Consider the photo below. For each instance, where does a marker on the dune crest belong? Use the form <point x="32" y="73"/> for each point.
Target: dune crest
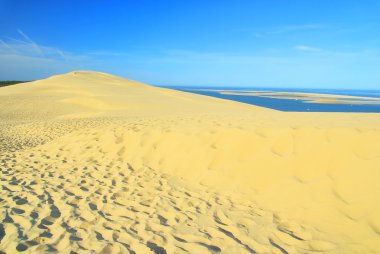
<point x="95" y="162"/>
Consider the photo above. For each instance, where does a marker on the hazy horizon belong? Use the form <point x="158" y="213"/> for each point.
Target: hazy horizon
<point x="302" y="44"/>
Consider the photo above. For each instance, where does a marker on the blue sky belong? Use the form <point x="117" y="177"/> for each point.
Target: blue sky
<point x="271" y="43"/>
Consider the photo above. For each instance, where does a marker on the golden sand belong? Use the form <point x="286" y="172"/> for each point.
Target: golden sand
<point x="94" y="163"/>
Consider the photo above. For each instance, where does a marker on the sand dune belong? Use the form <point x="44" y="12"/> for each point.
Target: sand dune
<point x="93" y="163"/>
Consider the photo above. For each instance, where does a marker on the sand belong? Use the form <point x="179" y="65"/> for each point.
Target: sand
<point x="93" y="163"/>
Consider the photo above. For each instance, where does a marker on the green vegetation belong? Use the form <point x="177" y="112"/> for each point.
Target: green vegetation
<point x="10" y="82"/>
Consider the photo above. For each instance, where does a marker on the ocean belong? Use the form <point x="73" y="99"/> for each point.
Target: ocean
<point x="289" y="104"/>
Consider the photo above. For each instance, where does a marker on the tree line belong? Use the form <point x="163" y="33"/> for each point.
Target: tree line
<point x="10" y="82"/>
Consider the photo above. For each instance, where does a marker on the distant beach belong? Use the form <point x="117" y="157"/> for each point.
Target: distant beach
<point x="282" y="99"/>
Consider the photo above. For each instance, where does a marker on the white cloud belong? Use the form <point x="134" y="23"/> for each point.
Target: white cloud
<point x="307" y="48"/>
<point x="30" y="42"/>
<point x="278" y="30"/>
<point x="219" y="58"/>
<point x="23" y="58"/>
<point x="29" y="48"/>
<point x="295" y="28"/>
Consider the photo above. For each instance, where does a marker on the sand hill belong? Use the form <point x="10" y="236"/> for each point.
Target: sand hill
<point x="93" y="163"/>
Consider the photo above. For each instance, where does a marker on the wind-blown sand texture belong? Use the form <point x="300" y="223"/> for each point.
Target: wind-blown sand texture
<point x="93" y="163"/>
<point x="310" y="97"/>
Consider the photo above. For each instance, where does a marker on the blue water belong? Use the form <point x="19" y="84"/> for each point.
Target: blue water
<point x="290" y="104"/>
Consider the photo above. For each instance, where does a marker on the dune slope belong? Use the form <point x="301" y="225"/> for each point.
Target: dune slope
<point x="93" y="163"/>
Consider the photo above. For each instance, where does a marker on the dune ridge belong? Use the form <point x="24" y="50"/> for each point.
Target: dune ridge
<point x="94" y="163"/>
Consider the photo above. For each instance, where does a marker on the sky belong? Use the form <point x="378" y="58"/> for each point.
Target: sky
<point x="257" y="43"/>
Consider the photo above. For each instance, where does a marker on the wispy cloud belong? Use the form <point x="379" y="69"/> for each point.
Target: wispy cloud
<point x="276" y="30"/>
<point x="296" y="28"/>
<point x="107" y="53"/>
<point x="30" y="42"/>
<point x="24" y="58"/>
<point x="26" y="47"/>
<point x="181" y="56"/>
<point x="307" y="48"/>
<point x="6" y="46"/>
<point x="24" y="55"/>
